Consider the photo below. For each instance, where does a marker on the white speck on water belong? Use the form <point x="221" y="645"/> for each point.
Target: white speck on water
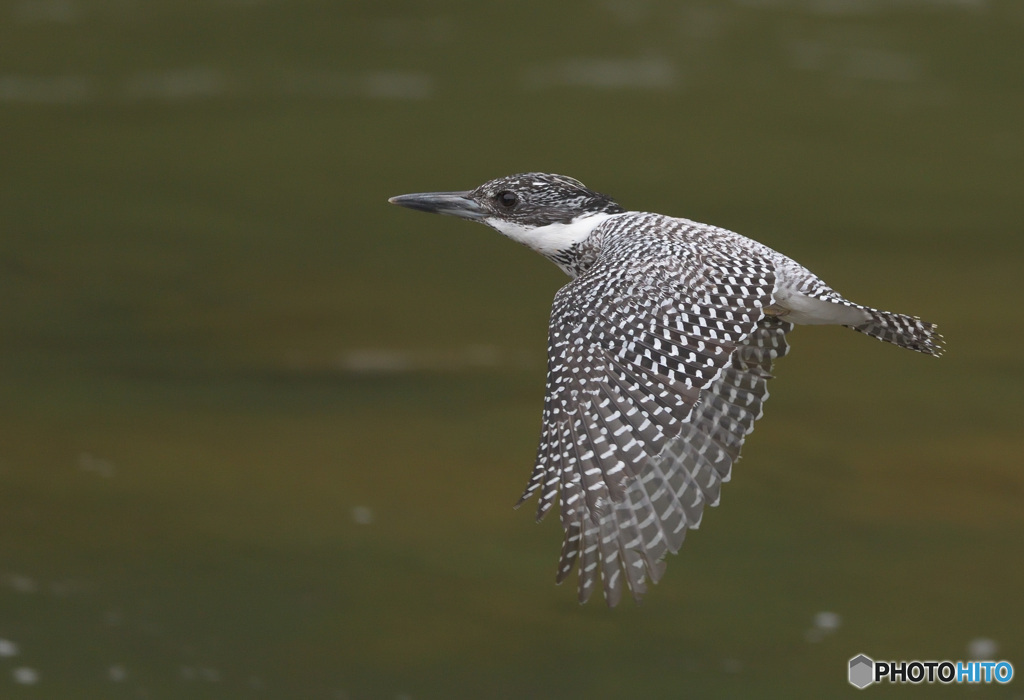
<point x="825" y="623"/>
<point x="362" y="515"/>
<point x="982" y="649"/>
<point x="20" y="583"/>
<point x="24" y="675"/>
<point x="117" y="673"/>
<point x="828" y="621"/>
<point x="8" y="648"/>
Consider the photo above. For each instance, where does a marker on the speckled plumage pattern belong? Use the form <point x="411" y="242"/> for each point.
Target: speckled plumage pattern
<point x="659" y="352"/>
<point x="641" y="336"/>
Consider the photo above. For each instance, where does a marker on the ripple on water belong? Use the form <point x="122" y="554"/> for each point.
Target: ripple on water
<point x="605" y="73"/>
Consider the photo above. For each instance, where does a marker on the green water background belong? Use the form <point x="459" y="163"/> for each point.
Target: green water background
<point x="260" y="433"/>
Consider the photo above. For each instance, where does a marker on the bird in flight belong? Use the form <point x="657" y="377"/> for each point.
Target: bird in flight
<point x="659" y="352"/>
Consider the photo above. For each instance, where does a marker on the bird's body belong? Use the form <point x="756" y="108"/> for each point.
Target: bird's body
<point x="659" y="351"/>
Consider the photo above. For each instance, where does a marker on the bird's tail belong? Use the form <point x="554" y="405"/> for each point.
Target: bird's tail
<point x="906" y="331"/>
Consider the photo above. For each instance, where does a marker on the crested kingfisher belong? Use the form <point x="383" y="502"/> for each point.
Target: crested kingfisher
<point x="659" y="352"/>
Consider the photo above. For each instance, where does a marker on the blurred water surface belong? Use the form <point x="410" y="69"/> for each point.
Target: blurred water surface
<point x="261" y="432"/>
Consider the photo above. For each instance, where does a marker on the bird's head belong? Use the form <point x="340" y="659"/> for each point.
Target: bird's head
<point x="548" y="213"/>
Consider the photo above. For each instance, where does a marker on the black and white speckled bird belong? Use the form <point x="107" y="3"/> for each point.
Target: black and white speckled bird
<point x="659" y="352"/>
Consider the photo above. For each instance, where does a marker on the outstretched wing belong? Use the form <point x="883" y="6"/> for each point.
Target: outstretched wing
<point x="656" y="373"/>
<point x="671" y="490"/>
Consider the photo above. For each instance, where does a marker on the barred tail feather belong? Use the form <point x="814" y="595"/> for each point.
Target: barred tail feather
<point x="906" y="331"/>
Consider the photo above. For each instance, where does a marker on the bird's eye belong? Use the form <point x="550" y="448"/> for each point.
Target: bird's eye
<point x="507" y="199"/>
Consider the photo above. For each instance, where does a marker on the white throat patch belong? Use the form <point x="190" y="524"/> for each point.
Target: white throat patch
<point x="549" y="240"/>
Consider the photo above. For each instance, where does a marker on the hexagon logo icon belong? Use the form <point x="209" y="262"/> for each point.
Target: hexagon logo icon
<point x="862" y="671"/>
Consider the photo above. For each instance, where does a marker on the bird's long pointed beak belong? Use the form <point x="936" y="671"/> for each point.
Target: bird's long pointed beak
<point x="453" y="203"/>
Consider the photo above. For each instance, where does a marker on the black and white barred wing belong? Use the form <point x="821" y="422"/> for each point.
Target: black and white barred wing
<point x="649" y="398"/>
